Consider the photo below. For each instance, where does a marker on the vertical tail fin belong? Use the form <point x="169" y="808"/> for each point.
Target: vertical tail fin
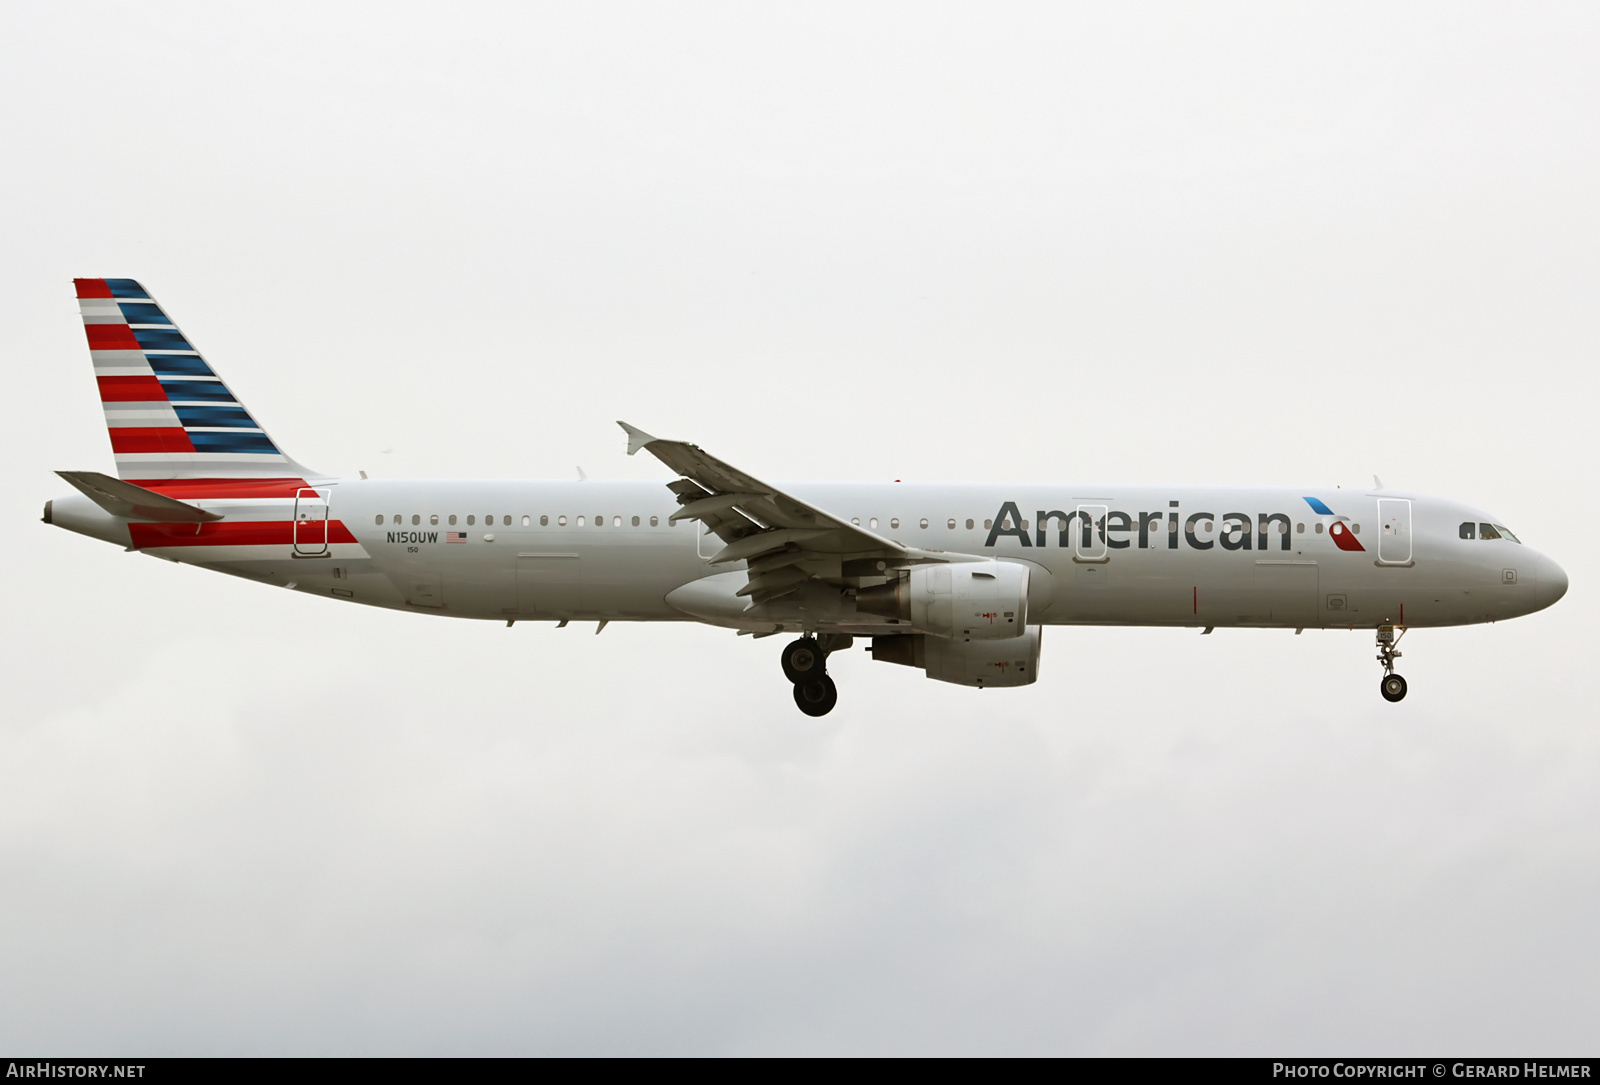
<point x="169" y="414"/>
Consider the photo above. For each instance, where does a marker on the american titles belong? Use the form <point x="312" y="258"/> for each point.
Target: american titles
<point x="1099" y="527"/>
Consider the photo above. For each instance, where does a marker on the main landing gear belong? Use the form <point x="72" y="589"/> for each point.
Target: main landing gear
<point x="805" y="663"/>
<point x="1393" y="687"/>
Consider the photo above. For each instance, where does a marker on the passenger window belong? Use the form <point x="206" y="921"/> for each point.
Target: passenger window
<point x="873" y="522"/>
<point x="655" y="521"/>
<point x="1487" y="531"/>
<point x="1319" y="527"/>
<point x="527" y="521"/>
<point x="471" y="520"/>
<point x="951" y="525"/>
<point x="599" y="521"/>
<point x="1300" y="528"/>
<point x="635" y="521"/>
<point x="544" y="521"/>
<point x="895" y="523"/>
<point x="434" y="520"/>
<point x="856" y="520"/>
<point x="561" y="521"/>
<point x="580" y="521"/>
<point x="1356" y="528"/>
<point x="923" y="523"/>
<point x="379" y="520"/>
<point x="415" y="519"/>
<point x="969" y="525"/>
<point x="616" y="521"/>
<point x="1469" y="530"/>
<point x="397" y="517"/>
<point x="987" y="524"/>
<point x="506" y="520"/>
<point x="452" y="519"/>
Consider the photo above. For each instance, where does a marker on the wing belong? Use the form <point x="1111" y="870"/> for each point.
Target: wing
<point x="785" y="541"/>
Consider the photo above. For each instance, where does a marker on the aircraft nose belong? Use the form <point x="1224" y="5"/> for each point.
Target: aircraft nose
<point x="1552" y="582"/>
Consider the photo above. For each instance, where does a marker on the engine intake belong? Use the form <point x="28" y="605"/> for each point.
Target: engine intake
<point x="969" y="601"/>
<point x="1013" y="662"/>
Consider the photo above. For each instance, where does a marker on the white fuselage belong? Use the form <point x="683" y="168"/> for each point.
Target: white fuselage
<point x="551" y="550"/>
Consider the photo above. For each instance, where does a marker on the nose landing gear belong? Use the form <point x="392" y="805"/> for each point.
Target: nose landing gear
<point x="805" y="663"/>
<point x="1392" y="686"/>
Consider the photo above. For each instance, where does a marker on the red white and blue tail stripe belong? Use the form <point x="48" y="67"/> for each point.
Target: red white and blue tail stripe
<point x="170" y="415"/>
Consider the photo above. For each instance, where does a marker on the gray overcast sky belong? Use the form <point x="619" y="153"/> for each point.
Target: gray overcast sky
<point x="1158" y="243"/>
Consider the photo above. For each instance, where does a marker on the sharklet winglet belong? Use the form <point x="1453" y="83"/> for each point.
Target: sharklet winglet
<point x="637" y="438"/>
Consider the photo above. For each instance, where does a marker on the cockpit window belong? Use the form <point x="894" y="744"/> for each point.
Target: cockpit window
<point x="1496" y="531"/>
<point x="1487" y="532"/>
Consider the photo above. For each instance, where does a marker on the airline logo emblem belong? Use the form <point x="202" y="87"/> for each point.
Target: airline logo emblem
<point x="1343" y="537"/>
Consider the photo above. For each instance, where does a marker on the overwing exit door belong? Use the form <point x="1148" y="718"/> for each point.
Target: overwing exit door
<point x="1091" y="533"/>
<point x="310" y="524"/>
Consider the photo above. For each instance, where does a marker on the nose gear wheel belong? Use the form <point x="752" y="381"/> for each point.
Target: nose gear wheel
<point x="1393" y="687"/>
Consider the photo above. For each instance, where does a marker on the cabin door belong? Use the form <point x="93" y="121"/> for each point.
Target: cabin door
<point x="310" y="524"/>
<point x="1394" y="530"/>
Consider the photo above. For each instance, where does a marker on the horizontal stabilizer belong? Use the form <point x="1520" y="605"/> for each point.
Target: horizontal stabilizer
<point x="132" y="502"/>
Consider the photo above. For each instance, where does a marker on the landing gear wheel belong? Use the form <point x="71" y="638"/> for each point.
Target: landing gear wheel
<point x="817" y="696"/>
<point x="804" y="660"/>
<point x="1393" y="687"/>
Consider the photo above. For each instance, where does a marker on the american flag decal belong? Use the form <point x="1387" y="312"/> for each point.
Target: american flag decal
<point x="455" y="536"/>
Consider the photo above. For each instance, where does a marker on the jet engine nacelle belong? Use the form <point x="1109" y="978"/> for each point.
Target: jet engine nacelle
<point x="966" y="601"/>
<point x="1013" y="662"/>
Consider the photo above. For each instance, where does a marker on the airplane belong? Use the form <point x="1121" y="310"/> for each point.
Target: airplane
<point x="957" y="581"/>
